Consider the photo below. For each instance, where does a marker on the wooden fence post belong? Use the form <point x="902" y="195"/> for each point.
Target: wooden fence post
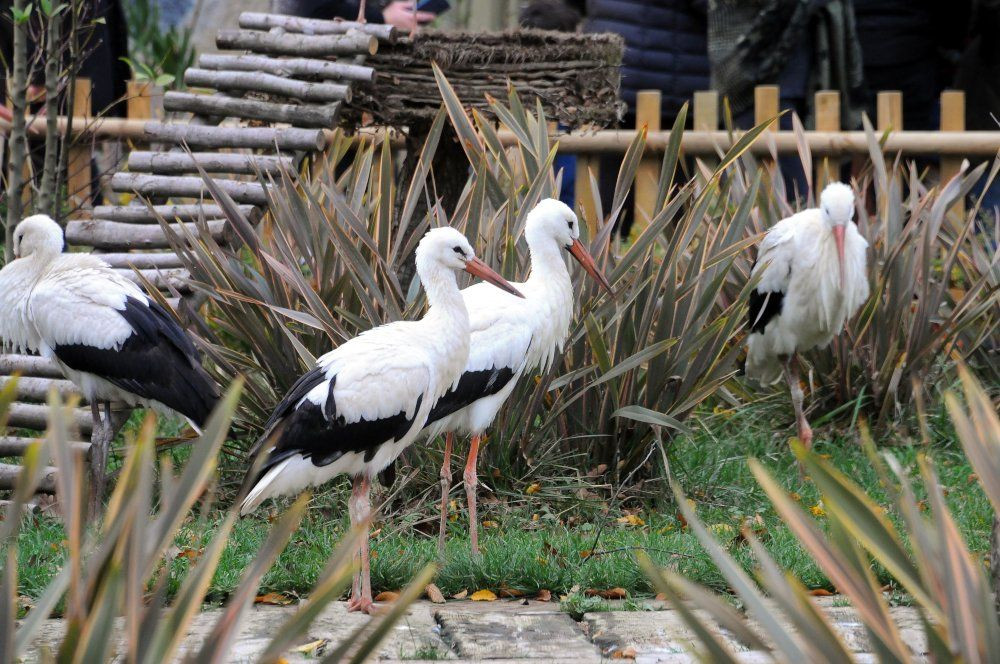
<point x="827" y="103"/>
<point x="78" y="178"/>
<point x="648" y="105"/>
<point x="890" y="110"/>
<point x="952" y="119"/>
<point x="766" y="102"/>
<point x="139" y="100"/>
<point x="706" y="118"/>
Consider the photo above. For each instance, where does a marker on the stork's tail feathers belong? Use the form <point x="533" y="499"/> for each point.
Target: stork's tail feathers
<point x="266" y="486"/>
<point x="202" y="399"/>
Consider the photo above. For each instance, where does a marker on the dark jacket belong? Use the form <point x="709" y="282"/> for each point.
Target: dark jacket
<point x="665" y="47"/>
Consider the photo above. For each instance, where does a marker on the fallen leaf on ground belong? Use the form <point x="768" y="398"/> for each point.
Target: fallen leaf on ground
<point x="612" y="593"/>
<point x="721" y="528"/>
<point x="624" y="653"/>
<point x="820" y="592"/>
<point x="387" y="596"/>
<point x="660" y="597"/>
<point x="277" y="599"/>
<point x="817" y="510"/>
<point x="535" y="487"/>
<point x="794" y="496"/>
<point x="632" y="520"/>
<point x="490" y="524"/>
<point x="460" y="595"/>
<point x="434" y="593"/>
<point x="483" y="596"/>
<point x="510" y="592"/>
<point x="312" y="648"/>
<point x="191" y="554"/>
<point x="544" y="596"/>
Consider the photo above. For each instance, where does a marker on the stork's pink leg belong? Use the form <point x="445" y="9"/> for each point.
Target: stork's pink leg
<point x="795" y="387"/>
<point x="471" y="480"/>
<point x="449" y="440"/>
<point x="361" y="11"/>
<point x="359" y="508"/>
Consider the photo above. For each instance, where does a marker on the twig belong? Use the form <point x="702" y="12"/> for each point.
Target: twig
<point x="18" y="136"/>
<point x="594" y="554"/>
<point x="47" y="195"/>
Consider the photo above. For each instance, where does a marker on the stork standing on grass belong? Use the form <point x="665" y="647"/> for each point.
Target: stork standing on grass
<point x="368" y="399"/>
<point x="510" y="336"/>
<point x="813" y="277"/>
<point x="99" y="328"/>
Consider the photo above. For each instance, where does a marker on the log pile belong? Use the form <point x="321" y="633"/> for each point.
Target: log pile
<point x="576" y="76"/>
<point x="244" y="115"/>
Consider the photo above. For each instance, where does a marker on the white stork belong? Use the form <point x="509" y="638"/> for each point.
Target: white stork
<point x="510" y="336"/>
<point x="99" y="328"/>
<point x="368" y="399"/>
<point x="813" y="277"/>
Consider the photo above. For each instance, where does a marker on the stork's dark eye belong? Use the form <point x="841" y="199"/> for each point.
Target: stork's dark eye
<point x="458" y="250"/>
<point x="570" y="223"/>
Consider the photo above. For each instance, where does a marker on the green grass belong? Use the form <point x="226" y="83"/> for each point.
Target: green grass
<point x="546" y="540"/>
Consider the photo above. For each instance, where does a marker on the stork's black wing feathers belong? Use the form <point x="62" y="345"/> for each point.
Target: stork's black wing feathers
<point x="319" y="433"/>
<point x="157" y="361"/>
<point x="472" y="386"/>
<point x="763" y="307"/>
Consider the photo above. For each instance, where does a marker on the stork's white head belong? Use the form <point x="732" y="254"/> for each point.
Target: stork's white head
<point x="554" y="221"/>
<point x="447" y="248"/>
<point x="37" y="234"/>
<point x="837" y="204"/>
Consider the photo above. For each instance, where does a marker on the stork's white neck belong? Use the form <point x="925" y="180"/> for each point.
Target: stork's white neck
<point x="443" y="296"/>
<point x="548" y="262"/>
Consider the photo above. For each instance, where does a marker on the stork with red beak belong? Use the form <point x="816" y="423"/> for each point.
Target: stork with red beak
<point x="812" y="272"/>
<point x="510" y="336"/>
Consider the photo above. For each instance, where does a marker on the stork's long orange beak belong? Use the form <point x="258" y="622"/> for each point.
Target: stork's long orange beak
<point x="838" y="237"/>
<point x="586" y="261"/>
<point x="477" y="268"/>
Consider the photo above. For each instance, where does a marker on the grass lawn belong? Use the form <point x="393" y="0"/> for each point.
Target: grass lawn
<point x="545" y="538"/>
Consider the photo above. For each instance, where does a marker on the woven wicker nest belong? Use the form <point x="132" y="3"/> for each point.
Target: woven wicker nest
<point x="576" y="76"/>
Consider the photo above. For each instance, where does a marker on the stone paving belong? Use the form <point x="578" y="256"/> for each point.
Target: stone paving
<point x="515" y="631"/>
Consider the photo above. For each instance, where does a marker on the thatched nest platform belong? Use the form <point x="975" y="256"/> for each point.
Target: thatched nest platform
<point x="576" y="76"/>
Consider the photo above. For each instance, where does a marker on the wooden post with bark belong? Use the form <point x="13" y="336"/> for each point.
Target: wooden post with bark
<point x="48" y="196"/>
<point x="78" y="173"/>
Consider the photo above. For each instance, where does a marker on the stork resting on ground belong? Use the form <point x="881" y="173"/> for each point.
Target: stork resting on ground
<point x="813" y="277"/>
<point x="510" y="336"/>
<point x="368" y="399"/>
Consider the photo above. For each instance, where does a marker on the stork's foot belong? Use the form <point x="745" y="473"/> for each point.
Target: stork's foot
<point x="806" y="435"/>
<point x="363" y="604"/>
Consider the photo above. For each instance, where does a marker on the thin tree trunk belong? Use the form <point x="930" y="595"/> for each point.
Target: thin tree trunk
<point x="71" y="66"/>
<point x="48" y="197"/>
<point x="18" y="134"/>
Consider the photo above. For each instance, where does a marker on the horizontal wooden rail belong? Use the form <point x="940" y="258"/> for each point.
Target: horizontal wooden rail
<point x="611" y="141"/>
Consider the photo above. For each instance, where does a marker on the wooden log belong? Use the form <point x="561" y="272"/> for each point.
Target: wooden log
<point x="78" y="167"/>
<point x="212" y="162"/>
<point x="186" y="187"/>
<point x="255" y="81"/>
<point x="17" y="446"/>
<point x="827" y="105"/>
<point x="257" y="138"/>
<point x="161" y="279"/>
<point x="102" y="234"/>
<point x="141" y="214"/>
<point x="28" y="365"/>
<point x="953" y="119"/>
<point x="286" y="67"/>
<point x="35" y="389"/>
<point x="139" y="100"/>
<point x="36" y="417"/>
<point x="29" y="507"/>
<point x="300" y="115"/>
<point x="158" y="260"/>
<point x="10" y="473"/>
<point x="313" y="26"/>
<point x="349" y="43"/>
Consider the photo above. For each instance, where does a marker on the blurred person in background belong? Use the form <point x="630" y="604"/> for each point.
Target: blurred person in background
<point x="912" y="46"/>
<point x="559" y="16"/>
<point x="799" y="45"/>
<point x="401" y="13"/>
<point x="665" y="50"/>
